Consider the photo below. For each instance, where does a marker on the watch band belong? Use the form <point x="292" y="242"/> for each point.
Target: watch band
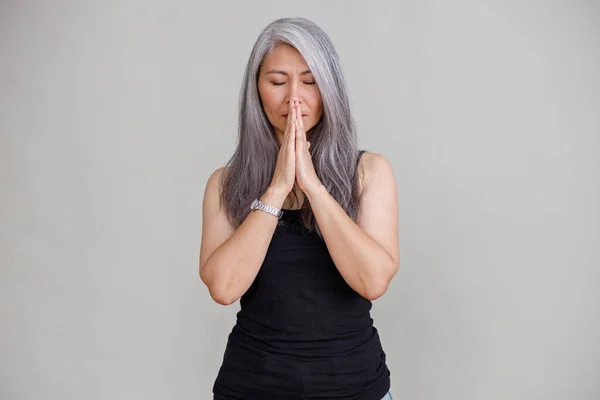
<point x="259" y="205"/>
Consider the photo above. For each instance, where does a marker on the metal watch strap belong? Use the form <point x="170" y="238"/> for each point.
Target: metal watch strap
<point x="259" y="205"/>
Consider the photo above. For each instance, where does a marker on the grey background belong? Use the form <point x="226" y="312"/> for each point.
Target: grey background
<point x="113" y="114"/>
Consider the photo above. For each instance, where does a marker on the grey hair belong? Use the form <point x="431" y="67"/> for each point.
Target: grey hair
<point x="333" y="140"/>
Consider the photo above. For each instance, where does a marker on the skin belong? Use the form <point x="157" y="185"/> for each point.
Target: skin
<point x="284" y="77"/>
<point x="365" y="252"/>
<point x="292" y="102"/>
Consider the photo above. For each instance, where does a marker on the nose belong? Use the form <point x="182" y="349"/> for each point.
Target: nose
<point x="293" y="94"/>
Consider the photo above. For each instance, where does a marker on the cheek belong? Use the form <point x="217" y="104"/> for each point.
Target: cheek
<point x="318" y="111"/>
<point x="266" y="97"/>
<point x="318" y="105"/>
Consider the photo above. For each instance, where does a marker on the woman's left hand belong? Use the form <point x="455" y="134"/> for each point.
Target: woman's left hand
<point x="306" y="176"/>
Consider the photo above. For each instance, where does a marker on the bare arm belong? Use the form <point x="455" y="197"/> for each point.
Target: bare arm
<point x="366" y="252"/>
<point x="231" y="258"/>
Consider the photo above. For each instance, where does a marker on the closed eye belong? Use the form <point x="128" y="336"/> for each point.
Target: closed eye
<point x="283" y="83"/>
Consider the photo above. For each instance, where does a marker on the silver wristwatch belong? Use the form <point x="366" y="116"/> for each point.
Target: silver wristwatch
<point x="259" y="205"/>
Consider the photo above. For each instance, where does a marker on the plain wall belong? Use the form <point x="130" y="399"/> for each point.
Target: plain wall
<point x="113" y="115"/>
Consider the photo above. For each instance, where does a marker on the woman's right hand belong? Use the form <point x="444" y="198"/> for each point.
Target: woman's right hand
<point x="284" y="176"/>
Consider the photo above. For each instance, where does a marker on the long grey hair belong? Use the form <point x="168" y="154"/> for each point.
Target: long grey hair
<point x="333" y="141"/>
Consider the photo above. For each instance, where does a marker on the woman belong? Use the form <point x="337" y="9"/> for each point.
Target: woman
<point x="301" y="229"/>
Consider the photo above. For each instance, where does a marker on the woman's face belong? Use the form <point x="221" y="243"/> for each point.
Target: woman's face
<point x="283" y="77"/>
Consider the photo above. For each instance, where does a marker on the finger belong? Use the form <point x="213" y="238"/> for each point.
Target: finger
<point x="300" y="123"/>
<point x="292" y="138"/>
<point x="300" y="117"/>
<point x="300" y="134"/>
<point x="290" y="119"/>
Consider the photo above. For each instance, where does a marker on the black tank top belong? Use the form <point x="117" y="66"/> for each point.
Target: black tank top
<point x="302" y="332"/>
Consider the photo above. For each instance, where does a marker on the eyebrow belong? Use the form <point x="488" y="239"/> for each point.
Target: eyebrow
<point x="280" y="72"/>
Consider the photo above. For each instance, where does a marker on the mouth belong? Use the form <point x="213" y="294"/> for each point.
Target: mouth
<point x="285" y="115"/>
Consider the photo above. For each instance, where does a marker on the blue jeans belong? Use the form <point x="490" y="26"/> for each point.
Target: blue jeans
<point x="388" y="396"/>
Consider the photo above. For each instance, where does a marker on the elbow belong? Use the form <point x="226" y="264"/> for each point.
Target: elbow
<point x="375" y="291"/>
<point x="222" y="299"/>
<point x="219" y="295"/>
<point x="222" y="294"/>
<point x="377" y="288"/>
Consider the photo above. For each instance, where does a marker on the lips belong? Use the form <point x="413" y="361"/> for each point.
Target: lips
<point x="304" y="115"/>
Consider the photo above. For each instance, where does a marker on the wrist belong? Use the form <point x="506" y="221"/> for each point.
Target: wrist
<point x="274" y="197"/>
<point x="315" y="191"/>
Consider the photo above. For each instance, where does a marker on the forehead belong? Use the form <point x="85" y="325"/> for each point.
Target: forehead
<point x="284" y="57"/>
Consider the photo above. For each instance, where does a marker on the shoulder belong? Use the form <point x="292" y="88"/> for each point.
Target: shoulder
<point x="215" y="179"/>
<point x="378" y="209"/>
<point x="212" y="191"/>
<point x="374" y="168"/>
<point x="216" y="174"/>
<point x="215" y="224"/>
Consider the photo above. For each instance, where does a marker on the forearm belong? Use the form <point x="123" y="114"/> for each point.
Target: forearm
<point x="363" y="263"/>
<point x="233" y="266"/>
